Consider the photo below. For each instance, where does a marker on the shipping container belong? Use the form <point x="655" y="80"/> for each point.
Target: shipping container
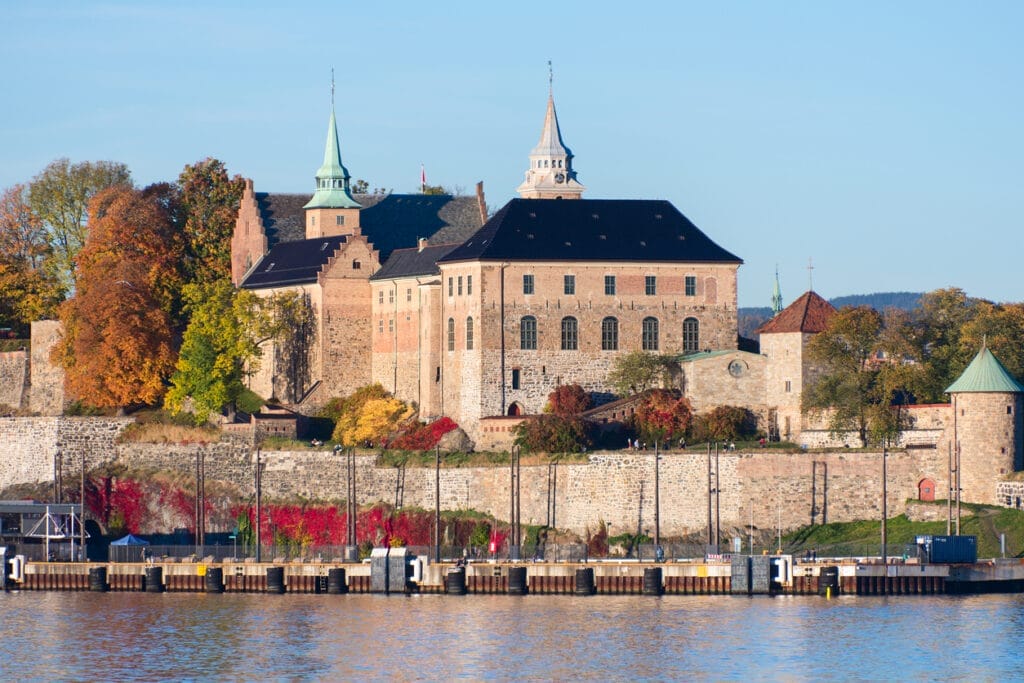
<point x="950" y="549"/>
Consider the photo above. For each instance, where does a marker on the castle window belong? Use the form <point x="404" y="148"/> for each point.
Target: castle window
<point x="469" y="285"/>
<point x="528" y="284"/>
<point x="650" y="285"/>
<point x="469" y="334"/>
<point x="391" y="325"/>
<point x="380" y="326"/>
<point x="391" y="296"/>
<point x="691" y="335"/>
<point x="610" y="334"/>
<point x="312" y="221"/>
<point x="380" y="297"/>
<point x="356" y="265"/>
<point x="570" y="284"/>
<point x="609" y="285"/>
<point x="437" y="374"/>
<point x="789" y="388"/>
<point x="649" y="334"/>
<point x="451" y="334"/>
<point x="408" y="294"/>
<point x="339" y="220"/>
<point x="515" y="378"/>
<point x="1009" y="410"/>
<point x="451" y="290"/>
<point x="570" y="334"/>
<point x="460" y="285"/>
<point x="691" y="285"/>
<point x="528" y="333"/>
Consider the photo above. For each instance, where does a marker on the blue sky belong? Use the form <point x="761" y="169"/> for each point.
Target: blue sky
<point x="881" y="139"/>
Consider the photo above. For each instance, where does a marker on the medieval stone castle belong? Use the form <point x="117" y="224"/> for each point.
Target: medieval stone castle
<point x="479" y="317"/>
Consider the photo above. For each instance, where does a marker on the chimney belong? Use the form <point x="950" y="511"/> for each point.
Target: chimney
<point x="421" y="243"/>
<point x="481" y="204"/>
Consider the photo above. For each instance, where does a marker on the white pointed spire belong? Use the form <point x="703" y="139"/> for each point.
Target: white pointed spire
<point x="551" y="175"/>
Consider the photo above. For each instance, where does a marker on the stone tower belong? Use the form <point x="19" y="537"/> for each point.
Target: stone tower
<point x="987" y="428"/>
<point x="332" y="210"/>
<point x="784" y="340"/>
<point x="551" y="175"/>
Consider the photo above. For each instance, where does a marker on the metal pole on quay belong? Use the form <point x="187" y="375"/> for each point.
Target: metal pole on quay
<point x="437" y="504"/>
<point x="259" y="507"/>
<point x="657" y="499"/>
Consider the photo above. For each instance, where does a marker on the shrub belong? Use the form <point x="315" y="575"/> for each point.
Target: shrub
<point x="423" y="437"/>
<point x="724" y="423"/>
<point x="553" y="434"/>
<point x="368" y="415"/>
<point x="662" y="415"/>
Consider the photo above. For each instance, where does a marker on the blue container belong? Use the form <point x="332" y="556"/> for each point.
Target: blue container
<point x="953" y="549"/>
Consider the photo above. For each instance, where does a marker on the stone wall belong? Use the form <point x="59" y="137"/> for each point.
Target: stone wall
<point x="14" y="376"/>
<point x="47" y="378"/>
<point x="617" y="488"/>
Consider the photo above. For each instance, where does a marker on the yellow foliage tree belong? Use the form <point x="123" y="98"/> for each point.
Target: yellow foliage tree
<point x="372" y="422"/>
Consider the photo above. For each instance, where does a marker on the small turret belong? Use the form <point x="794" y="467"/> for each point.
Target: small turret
<point x="551" y="175"/>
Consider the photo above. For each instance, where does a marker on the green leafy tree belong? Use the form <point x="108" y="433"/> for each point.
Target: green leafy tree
<point x="118" y="344"/>
<point x="27" y="292"/>
<point x="210" y="369"/>
<point x="60" y="197"/>
<point x="939" y="323"/>
<point x="855" y="385"/>
<point x="209" y="206"/>
<point x="638" y="371"/>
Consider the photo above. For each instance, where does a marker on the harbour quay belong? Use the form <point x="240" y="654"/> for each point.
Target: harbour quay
<point x="400" y="574"/>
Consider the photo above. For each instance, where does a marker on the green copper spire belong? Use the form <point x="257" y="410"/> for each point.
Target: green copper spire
<point x="985" y="374"/>
<point x="332" y="180"/>
<point x="776" y="294"/>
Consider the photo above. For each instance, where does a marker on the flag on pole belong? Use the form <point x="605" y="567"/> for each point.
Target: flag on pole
<point x="423" y="178"/>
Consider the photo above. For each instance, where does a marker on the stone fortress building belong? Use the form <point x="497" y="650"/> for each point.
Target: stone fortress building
<point x="479" y="317"/>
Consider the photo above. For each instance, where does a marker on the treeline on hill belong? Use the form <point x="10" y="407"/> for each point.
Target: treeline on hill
<point x="752" y="317"/>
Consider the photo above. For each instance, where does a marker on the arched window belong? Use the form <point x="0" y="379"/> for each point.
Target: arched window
<point x="691" y="335"/>
<point x="469" y="333"/>
<point x="570" y="334"/>
<point x="610" y="334"/>
<point x="528" y="333"/>
<point x="649" y="337"/>
<point x="451" y="334"/>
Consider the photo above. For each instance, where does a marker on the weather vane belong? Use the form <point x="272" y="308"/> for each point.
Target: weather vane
<point x="551" y="76"/>
<point x="332" y="87"/>
<point x="810" y="273"/>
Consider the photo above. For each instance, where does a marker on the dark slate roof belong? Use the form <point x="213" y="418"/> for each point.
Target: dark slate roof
<point x="591" y="230"/>
<point x="413" y="262"/>
<point x="293" y="263"/>
<point x="283" y="216"/>
<point x="810" y="313"/>
<point x="390" y="222"/>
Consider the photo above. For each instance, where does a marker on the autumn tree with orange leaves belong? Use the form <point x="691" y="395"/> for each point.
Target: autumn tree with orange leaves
<point x="119" y="329"/>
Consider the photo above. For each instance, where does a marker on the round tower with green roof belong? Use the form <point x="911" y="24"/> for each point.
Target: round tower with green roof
<point x="987" y="403"/>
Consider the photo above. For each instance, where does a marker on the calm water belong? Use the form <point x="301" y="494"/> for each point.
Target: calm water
<point x="138" y="636"/>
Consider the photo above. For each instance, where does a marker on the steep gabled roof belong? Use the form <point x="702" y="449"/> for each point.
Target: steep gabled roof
<point x="393" y="221"/>
<point x="293" y="263"/>
<point x="413" y="262"/>
<point x="810" y="313"/>
<point x="985" y="374"/>
<point x="590" y="230"/>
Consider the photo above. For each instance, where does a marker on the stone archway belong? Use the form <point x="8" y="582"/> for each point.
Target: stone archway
<point x="926" y="490"/>
<point x="515" y="410"/>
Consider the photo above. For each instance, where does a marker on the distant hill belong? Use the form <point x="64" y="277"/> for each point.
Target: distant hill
<point x="750" y="318"/>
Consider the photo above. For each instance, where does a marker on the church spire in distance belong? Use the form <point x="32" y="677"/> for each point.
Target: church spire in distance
<point x="551" y="175"/>
<point x="776" y="294"/>
<point x="332" y="179"/>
